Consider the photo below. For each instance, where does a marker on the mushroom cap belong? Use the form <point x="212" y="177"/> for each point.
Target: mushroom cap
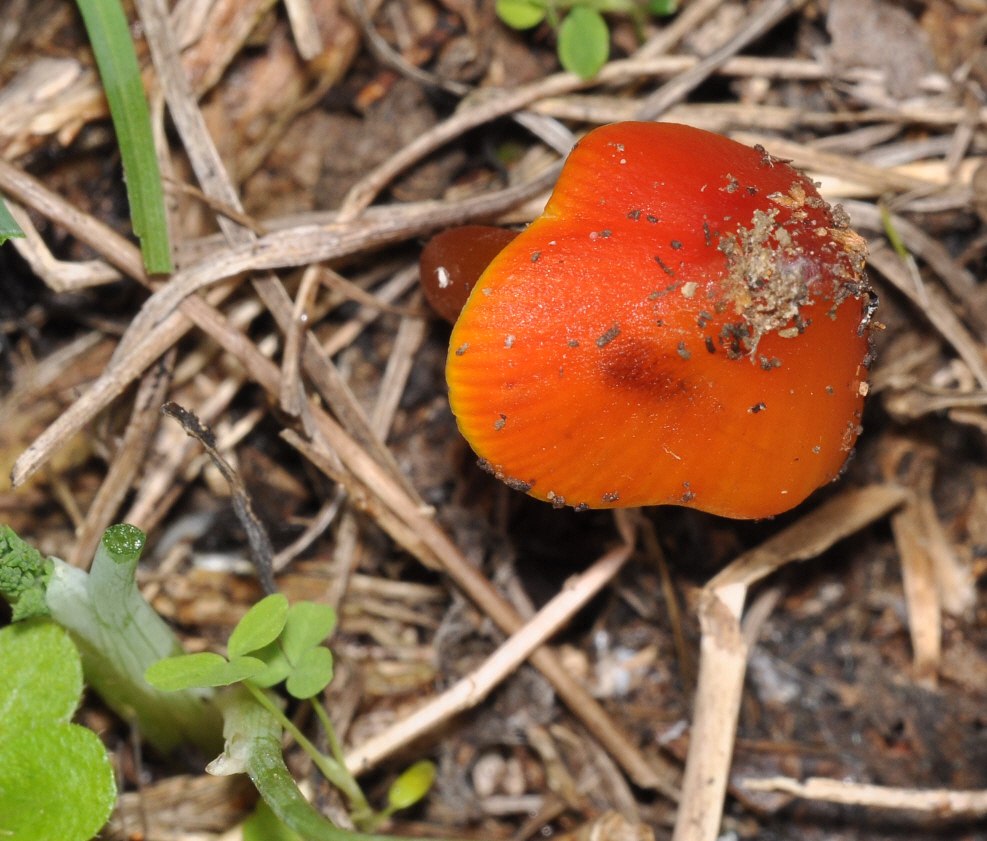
<point x="685" y="324"/>
<point x="453" y="260"/>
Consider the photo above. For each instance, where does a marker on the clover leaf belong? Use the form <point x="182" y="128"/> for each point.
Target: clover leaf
<point x="193" y="671"/>
<point x="584" y="42"/>
<point x="259" y="626"/>
<point x="270" y="644"/>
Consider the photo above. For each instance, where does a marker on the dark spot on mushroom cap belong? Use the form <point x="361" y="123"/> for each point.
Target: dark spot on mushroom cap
<point x="636" y="365"/>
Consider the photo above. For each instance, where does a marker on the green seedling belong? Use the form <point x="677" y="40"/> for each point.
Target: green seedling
<point x="582" y="34"/>
<point x="410" y="787"/>
<point x="273" y="644"/>
<point x="116" y="631"/>
<point x="56" y="780"/>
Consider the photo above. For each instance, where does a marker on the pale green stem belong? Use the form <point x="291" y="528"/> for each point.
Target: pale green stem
<point x="252" y="726"/>
<point x="119" y="635"/>
<point x="331" y="769"/>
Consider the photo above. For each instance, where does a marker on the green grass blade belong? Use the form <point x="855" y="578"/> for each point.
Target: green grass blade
<point x="114" y="51"/>
<point x="8" y="227"/>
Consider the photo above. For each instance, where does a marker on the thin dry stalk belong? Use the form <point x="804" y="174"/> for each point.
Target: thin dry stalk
<point x="722" y="662"/>
<point x="921" y="595"/>
<point x="304" y="28"/>
<point x="958" y="280"/>
<point x="58" y="275"/>
<point x="410" y="334"/>
<point x="292" y="396"/>
<point x="752" y="26"/>
<point x="878" y="179"/>
<point x="941" y="805"/>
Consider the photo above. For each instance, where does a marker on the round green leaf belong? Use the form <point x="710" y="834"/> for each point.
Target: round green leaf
<point x="55" y="782"/>
<point x="307" y="625"/>
<point x="40" y="676"/>
<point x="521" y="14"/>
<point x="259" y="626"/>
<point x="584" y="42"/>
<point x="55" y="778"/>
<point x="311" y="674"/>
<point x="193" y="671"/>
<point x="412" y="785"/>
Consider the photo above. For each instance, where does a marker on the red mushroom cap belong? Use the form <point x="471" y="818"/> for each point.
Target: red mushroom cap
<point x="685" y="324"/>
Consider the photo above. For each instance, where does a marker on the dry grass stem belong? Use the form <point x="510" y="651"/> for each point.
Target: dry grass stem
<point x="59" y="275"/>
<point x="751" y="27"/>
<point x="812" y="534"/>
<point x="305" y="28"/>
<point x="940" y="804"/>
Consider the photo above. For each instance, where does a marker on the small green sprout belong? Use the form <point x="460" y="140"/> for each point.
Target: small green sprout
<point x="41" y="752"/>
<point x="583" y="37"/>
<point x="411" y="786"/>
<point x="276" y="643"/>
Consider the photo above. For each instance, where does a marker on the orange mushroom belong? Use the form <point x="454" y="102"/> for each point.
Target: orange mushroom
<point x="686" y="324"/>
